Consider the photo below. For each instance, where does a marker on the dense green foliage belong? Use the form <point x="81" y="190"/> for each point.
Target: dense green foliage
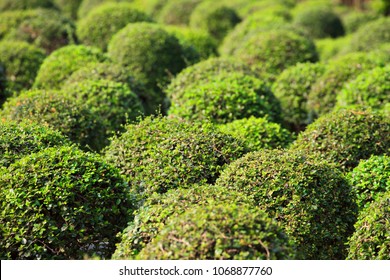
<point x="309" y="197"/>
<point x="87" y="6"/>
<point x="61" y="203"/>
<point x="354" y="20"/>
<point x="6" y="5"/>
<point x="177" y="12"/>
<point x="68" y="7"/>
<point x="346" y="137"/>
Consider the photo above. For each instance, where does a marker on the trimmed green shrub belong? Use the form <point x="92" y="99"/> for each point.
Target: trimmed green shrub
<point x="309" y="197"/>
<point x="319" y="22"/>
<point x="371" y="238"/>
<point x="370" y="179"/>
<point x="258" y="133"/>
<point x="220" y="232"/>
<point x="323" y="95"/>
<point x="114" y="102"/>
<point x="10" y="20"/>
<point x="60" y="64"/>
<point x="354" y="20"/>
<point x="65" y="114"/>
<point x="292" y="88"/>
<point x="159" y="154"/>
<point x="276" y="50"/>
<point x="345" y="137"/>
<point x="215" y="18"/>
<point x="116" y="73"/>
<point x="151" y="218"/>
<point x="6" y="5"/>
<point x="330" y="48"/>
<point x="177" y="12"/>
<point x="61" y="203"/>
<point x="48" y="29"/>
<point x="98" y="27"/>
<point x="68" y="7"/>
<point x="371" y="35"/>
<point x="226" y="97"/>
<point x="151" y="7"/>
<point x="371" y="88"/>
<point x="20" y="139"/>
<point x="21" y="63"/>
<point x="87" y="6"/>
<point x="155" y="56"/>
<point x="275" y="8"/>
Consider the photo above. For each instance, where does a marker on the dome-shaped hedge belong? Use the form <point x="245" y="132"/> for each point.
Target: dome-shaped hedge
<point x="155" y="56"/>
<point x="276" y="50"/>
<point x="258" y="133"/>
<point x="87" y="6"/>
<point x="60" y="64"/>
<point x="98" y="27"/>
<point x="215" y="18"/>
<point x="370" y="179"/>
<point x="319" y="22"/>
<point x="346" y="137"/>
<point x="369" y="89"/>
<point x="6" y="5"/>
<point x="21" y="63"/>
<point x="177" y="12"/>
<point x="24" y="138"/>
<point x="371" y="238"/>
<point x="220" y="232"/>
<point x="354" y="20"/>
<point x="159" y="154"/>
<point x="226" y="97"/>
<point x="292" y="88"/>
<point x="10" y="20"/>
<point x="151" y="218"/>
<point x="323" y="95"/>
<point x="114" y="102"/>
<point x="309" y="197"/>
<point x="65" y="114"/>
<point x="331" y="48"/>
<point x="61" y="203"/>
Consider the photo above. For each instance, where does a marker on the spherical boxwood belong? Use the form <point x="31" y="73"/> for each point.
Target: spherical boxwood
<point x="6" y="5"/>
<point x="97" y="28"/>
<point x="319" y="22"/>
<point x="309" y="197"/>
<point x="331" y="48"/>
<point x="346" y="137"/>
<point x="215" y="18"/>
<point x="20" y="139"/>
<point x="151" y="218"/>
<point x="371" y="35"/>
<point x="65" y="114"/>
<point x="258" y="133"/>
<point x="276" y="50"/>
<point x="220" y="232"/>
<point x="114" y="102"/>
<point x="21" y="63"/>
<point x="68" y="7"/>
<point x="292" y="88"/>
<point x="155" y="54"/>
<point x="323" y="95"/>
<point x="227" y="97"/>
<point x="61" y="203"/>
<point x="87" y="6"/>
<point x="370" y="179"/>
<point x="159" y="154"/>
<point x="177" y="12"/>
<point x="354" y="20"/>
<point x="371" y="88"/>
<point x="60" y="64"/>
<point x="371" y="238"/>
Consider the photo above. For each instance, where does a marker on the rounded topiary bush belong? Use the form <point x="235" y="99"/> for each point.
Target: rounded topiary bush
<point x="6" y="5"/>
<point x="155" y="56"/>
<point x="65" y="114"/>
<point x="60" y="64"/>
<point x="97" y="28"/>
<point x="354" y="20"/>
<point x="292" y="88"/>
<point x="177" y="12"/>
<point x="370" y="179"/>
<point x="21" y="62"/>
<point x="309" y="197"/>
<point x="159" y="154"/>
<point x="346" y="137"/>
<point x="371" y="238"/>
<point x="10" y="20"/>
<point x="20" y="139"/>
<point x="331" y="48"/>
<point x="319" y="22"/>
<point x="370" y="89"/>
<point x="215" y="18"/>
<point x="61" y="203"/>
<point x="87" y="6"/>
<point x="226" y="97"/>
<point x="68" y="7"/>
<point x="276" y="50"/>
<point x="323" y="95"/>
<point x="114" y="102"/>
<point x="220" y="232"/>
<point x="151" y="218"/>
<point x="258" y="133"/>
